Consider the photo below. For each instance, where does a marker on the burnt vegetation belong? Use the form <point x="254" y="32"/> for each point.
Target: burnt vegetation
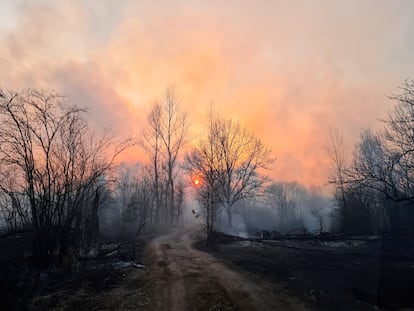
<point x="67" y="206"/>
<point x="52" y="174"/>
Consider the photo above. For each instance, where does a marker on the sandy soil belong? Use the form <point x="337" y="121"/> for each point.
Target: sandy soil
<point x="189" y="279"/>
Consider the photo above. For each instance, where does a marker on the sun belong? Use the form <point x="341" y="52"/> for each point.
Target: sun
<point x="196" y="182"/>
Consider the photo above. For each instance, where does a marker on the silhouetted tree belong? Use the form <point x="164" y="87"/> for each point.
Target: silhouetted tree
<point x="338" y="152"/>
<point x="51" y="165"/>
<point x="228" y="162"/>
<point x="151" y="143"/>
<point x="376" y="189"/>
<point x="399" y="136"/>
<point x="174" y="126"/>
<point x="162" y="141"/>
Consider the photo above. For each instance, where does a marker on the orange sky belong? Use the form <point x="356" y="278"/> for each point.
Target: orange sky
<point x="289" y="70"/>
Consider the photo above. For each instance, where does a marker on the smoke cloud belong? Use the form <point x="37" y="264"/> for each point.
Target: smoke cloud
<point x="289" y="70"/>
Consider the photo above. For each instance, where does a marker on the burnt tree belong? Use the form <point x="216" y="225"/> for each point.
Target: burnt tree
<point x="51" y="165"/>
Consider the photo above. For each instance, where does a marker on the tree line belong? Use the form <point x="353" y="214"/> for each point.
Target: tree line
<point x="60" y="185"/>
<point x="375" y="184"/>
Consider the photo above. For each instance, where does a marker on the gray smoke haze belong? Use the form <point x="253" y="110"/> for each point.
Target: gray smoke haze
<point x="286" y="206"/>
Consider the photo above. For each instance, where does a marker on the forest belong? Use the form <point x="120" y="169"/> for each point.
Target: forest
<point x="64" y="197"/>
<point x="236" y="155"/>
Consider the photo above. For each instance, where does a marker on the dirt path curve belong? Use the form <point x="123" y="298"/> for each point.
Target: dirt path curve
<point x="188" y="279"/>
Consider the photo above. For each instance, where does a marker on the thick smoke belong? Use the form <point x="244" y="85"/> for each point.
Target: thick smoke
<point x="238" y="227"/>
<point x="285" y="207"/>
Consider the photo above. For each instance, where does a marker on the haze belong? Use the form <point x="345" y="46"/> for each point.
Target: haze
<point x="289" y="70"/>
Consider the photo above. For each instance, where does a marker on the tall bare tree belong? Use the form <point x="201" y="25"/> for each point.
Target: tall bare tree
<point x="151" y="143"/>
<point x="230" y="161"/>
<point x="338" y="152"/>
<point x="174" y="126"/>
<point x="201" y="162"/>
<point x="163" y="140"/>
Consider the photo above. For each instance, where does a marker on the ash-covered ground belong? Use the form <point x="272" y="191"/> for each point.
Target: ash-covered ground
<point x="364" y="273"/>
<point x="114" y="281"/>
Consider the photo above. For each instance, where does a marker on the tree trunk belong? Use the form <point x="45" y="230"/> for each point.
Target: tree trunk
<point x="229" y="217"/>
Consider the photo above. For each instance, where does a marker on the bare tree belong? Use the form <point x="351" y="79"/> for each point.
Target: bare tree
<point x="132" y="197"/>
<point x="385" y="162"/>
<point x="316" y="205"/>
<point x="287" y="199"/>
<point x="163" y="140"/>
<point x="239" y="158"/>
<point x="151" y="143"/>
<point x="51" y="169"/>
<point x="201" y="162"/>
<point x="376" y="189"/>
<point x="372" y="179"/>
<point x="338" y="152"/>
<point x="174" y="126"/>
<point x="399" y="134"/>
<point x="229" y="162"/>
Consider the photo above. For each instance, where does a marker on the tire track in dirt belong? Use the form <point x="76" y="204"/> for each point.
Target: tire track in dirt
<point x="188" y="279"/>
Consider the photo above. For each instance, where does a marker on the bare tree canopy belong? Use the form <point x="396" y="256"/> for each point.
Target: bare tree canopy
<point x="162" y="141"/>
<point x="385" y="161"/>
<point x="376" y="189"/>
<point x="51" y="168"/>
<point x="338" y="153"/>
<point x="399" y="136"/>
<point x="229" y="163"/>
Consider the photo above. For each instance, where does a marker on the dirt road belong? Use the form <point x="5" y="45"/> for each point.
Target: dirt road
<point x="189" y="279"/>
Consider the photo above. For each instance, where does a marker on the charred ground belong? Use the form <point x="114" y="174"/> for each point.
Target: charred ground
<point x="111" y="280"/>
<point x="328" y="273"/>
<point x="296" y="272"/>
